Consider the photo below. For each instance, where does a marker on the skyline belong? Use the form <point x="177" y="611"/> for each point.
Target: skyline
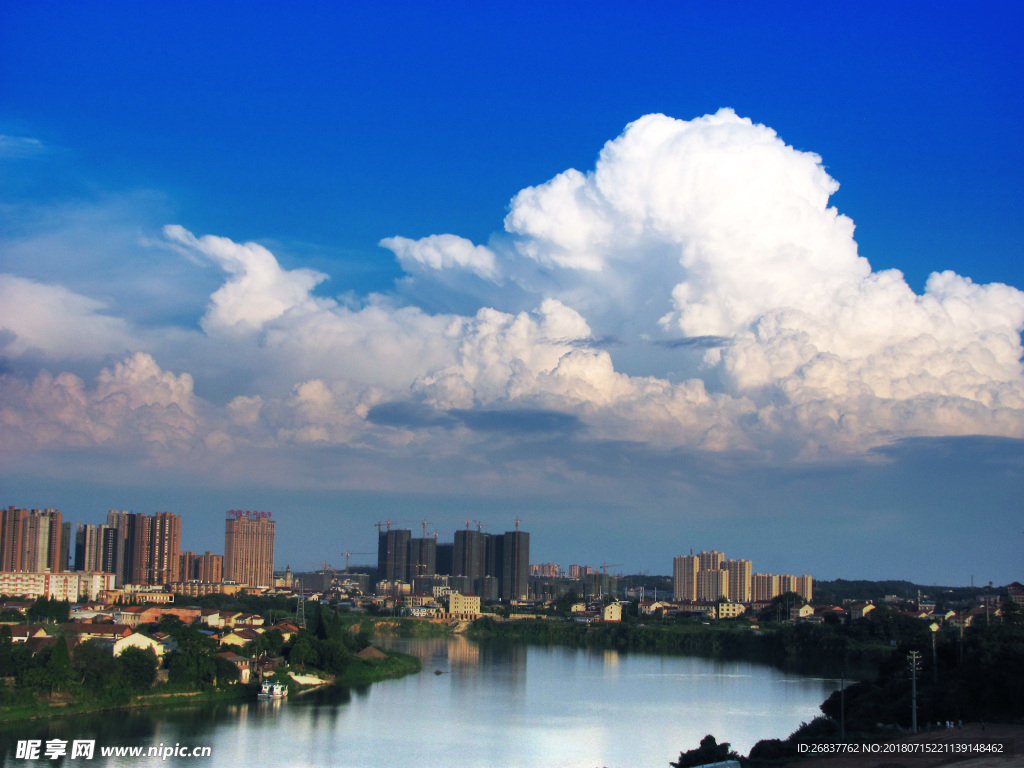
<point x="650" y="281"/>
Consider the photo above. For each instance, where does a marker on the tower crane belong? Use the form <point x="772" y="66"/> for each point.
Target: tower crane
<point x="348" y="554"/>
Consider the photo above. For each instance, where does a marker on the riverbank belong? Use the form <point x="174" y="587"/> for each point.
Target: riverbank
<point x="358" y="672"/>
<point x="61" y="705"/>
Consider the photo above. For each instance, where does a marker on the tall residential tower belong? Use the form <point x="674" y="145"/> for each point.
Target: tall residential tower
<point x="249" y="550"/>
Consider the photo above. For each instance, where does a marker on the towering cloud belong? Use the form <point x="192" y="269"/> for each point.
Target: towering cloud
<point x="704" y="246"/>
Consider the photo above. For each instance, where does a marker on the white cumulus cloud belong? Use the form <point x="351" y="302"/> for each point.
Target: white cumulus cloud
<point x="710" y="236"/>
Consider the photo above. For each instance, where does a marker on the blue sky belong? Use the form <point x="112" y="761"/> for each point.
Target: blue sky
<point x="693" y="340"/>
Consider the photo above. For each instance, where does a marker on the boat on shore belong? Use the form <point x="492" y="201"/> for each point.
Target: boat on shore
<point x="272" y="691"/>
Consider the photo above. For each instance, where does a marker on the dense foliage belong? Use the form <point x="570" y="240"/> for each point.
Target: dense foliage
<point x="329" y="645"/>
<point x="709" y="751"/>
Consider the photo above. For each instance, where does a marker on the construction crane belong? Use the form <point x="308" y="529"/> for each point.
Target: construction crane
<point x="348" y="554"/>
<point x="605" y="566"/>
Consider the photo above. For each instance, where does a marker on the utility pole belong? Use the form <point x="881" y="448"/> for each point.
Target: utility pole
<point x="842" y="696"/>
<point x="300" y="609"/>
<point x="914" y="661"/>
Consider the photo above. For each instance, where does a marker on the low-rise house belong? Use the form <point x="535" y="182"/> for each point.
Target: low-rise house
<point x="703" y="608"/>
<point x="649" y="607"/>
<point x="419" y="599"/>
<point x="152" y="615"/>
<point x="921" y="613"/>
<point x="731" y="610"/>
<point x="141" y="641"/>
<point x="212" y="618"/>
<point x="244" y="665"/>
<point x="803" y="612"/>
<point x="230" y="618"/>
<point x="860" y="610"/>
<point x="22" y="633"/>
<point x="1015" y="593"/>
<point x="286" y="628"/>
<point x="612" y="612"/>
<point x="130" y="615"/>
<point x="463" y="606"/>
<point x="168" y="642"/>
<point x="81" y="631"/>
<point x="240" y="637"/>
<point x="89" y="613"/>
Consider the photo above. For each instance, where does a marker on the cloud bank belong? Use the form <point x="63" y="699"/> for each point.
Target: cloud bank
<point x="704" y="246"/>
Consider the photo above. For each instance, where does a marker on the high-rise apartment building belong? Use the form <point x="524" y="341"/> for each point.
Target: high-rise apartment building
<point x="249" y="551"/>
<point x="208" y="567"/>
<point x="165" y="546"/>
<point x="89" y="548"/>
<point x="422" y="558"/>
<point x="32" y="540"/>
<point x="393" y="554"/>
<point x="805" y="587"/>
<point x="741" y="574"/>
<point x="445" y="558"/>
<point x="712" y="584"/>
<point x="764" y="586"/>
<point x="684" y="577"/>
<point x="787" y="583"/>
<point x="515" y="565"/>
<point x="711" y="561"/>
<point x="470" y="554"/>
<point x="146" y="550"/>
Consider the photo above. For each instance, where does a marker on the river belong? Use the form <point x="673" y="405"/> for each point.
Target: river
<point x="493" y="705"/>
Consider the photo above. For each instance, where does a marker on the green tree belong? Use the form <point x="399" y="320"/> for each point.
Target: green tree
<point x="94" y="667"/>
<point x="227" y="673"/>
<point x="302" y="651"/>
<point x="270" y="643"/>
<point x="6" y="652"/>
<point x="1012" y="613"/>
<point x="564" y="603"/>
<point x="136" y="668"/>
<point x="58" y="667"/>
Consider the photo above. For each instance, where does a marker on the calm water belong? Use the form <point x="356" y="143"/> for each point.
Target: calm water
<point x="494" y="705"/>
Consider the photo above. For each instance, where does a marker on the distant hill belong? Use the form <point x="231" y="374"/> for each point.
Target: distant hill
<point x="842" y="589"/>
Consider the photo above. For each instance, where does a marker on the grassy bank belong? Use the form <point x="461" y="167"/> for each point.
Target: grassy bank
<point x="27" y="706"/>
<point x="363" y="672"/>
<point x="391" y="625"/>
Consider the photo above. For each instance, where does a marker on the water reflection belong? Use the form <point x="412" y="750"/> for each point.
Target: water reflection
<point x="494" y="703"/>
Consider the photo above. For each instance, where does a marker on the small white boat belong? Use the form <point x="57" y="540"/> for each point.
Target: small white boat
<point x="273" y="691"/>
